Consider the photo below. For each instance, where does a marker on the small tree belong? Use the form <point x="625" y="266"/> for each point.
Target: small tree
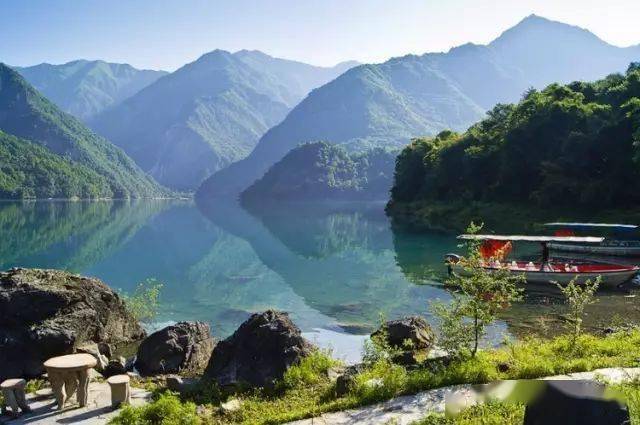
<point x="479" y="296"/>
<point x="579" y="297"/>
<point x="144" y="302"/>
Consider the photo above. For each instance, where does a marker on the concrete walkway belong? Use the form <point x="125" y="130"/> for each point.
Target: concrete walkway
<point x="407" y="409"/>
<point x="98" y="411"/>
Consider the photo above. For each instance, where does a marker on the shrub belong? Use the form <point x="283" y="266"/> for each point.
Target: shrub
<point x="310" y="371"/>
<point x="166" y="410"/>
<point x="579" y="297"/>
<point x="144" y="303"/>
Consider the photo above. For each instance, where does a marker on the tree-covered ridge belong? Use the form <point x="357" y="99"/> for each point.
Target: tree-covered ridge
<point x="321" y="170"/>
<point x="85" y="88"/>
<point x="566" y="145"/>
<point x="28" y="170"/>
<point x="207" y="114"/>
<point x="25" y="113"/>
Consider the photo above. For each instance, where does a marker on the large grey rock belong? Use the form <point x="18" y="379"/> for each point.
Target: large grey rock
<point x="184" y="347"/>
<point x="414" y="329"/>
<point x="47" y="313"/>
<point x="259" y="351"/>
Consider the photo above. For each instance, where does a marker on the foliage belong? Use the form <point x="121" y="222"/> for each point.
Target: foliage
<point x="490" y="413"/>
<point x="28" y="170"/>
<point x="168" y="409"/>
<point x="321" y="171"/>
<point x="479" y="296"/>
<point x="144" y="302"/>
<point x="28" y="115"/>
<point x="311" y="370"/>
<point x="578" y="297"/>
<point x="526" y="359"/>
<point x="561" y="146"/>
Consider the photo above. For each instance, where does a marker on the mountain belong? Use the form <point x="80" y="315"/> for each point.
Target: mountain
<point x="324" y="171"/>
<point x="85" y="88"/>
<point x="569" y="146"/>
<point x="387" y="104"/>
<point x="93" y="161"/>
<point x="209" y="113"/>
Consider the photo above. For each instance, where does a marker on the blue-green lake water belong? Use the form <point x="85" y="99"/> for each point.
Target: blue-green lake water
<point x="334" y="267"/>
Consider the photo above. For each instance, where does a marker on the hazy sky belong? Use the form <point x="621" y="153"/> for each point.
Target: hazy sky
<point x="163" y="34"/>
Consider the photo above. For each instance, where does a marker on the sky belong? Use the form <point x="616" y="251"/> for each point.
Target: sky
<point x="163" y="34"/>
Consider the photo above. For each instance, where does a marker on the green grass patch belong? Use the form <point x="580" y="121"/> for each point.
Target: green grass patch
<point x="167" y="409"/>
<point x="492" y="413"/>
<point x="307" y="391"/>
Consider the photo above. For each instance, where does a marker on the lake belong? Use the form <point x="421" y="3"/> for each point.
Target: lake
<point x="336" y="268"/>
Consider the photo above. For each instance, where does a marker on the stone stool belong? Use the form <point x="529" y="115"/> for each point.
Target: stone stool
<point x="68" y="374"/>
<point x="120" y="391"/>
<point x="14" y="397"/>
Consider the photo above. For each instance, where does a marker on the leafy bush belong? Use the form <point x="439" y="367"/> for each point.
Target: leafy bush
<point x="310" y="371"/>
<point x="166" y="410"/>
<point x="144" y="302"/>
<point x="578" y="297"/>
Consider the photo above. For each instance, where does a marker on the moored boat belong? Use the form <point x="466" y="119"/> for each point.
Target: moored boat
<point x="546" y="271"/>
<point x="623" y="240"/>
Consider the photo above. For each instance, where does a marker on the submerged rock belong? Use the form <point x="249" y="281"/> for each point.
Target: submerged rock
<point x="259" y="351"/>
<point x="47" y="313"/>
<point x="184" y="347"/>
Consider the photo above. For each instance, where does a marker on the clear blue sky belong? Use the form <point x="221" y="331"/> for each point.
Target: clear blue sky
<point x="163" y="34"/>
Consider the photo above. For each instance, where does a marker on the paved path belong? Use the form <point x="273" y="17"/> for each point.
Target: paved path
<point x="98" y="410"/>
<point x="407" y="409"/>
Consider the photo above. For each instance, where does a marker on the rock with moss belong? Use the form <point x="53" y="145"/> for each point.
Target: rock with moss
<point x="184" y="347"/>
<point x="259" y="352"/>
<point x="47" y="313"/>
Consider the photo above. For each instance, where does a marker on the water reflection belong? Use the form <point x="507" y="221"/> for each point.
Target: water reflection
<point x="334" y="267"/>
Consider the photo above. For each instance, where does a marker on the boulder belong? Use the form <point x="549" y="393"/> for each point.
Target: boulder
<point x="116" y="366"/>
<point x="47" y="313"/>
<point x="346" y="381"/>
<point x="92" y="348"/>
<point x="184" y="347"/>
<point x="414" y="329"/>
<point x="259" y="351"/>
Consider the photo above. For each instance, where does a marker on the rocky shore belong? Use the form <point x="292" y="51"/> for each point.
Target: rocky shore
<point x="47" y="313"/>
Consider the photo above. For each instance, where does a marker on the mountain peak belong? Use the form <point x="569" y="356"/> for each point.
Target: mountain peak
<point x="538" y="29"/>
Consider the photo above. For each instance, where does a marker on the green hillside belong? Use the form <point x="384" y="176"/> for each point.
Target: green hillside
<point x="208" y="114"/>
<point x="387" y="104"/>
<point x="324" y="171"/>
<point x="575" y="146"/>
<point x="85" y="88"/>
<point x="28" y="170"/>
<point x="26" y="114"/>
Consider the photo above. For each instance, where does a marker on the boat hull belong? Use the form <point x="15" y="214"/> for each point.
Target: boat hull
<point x="621" y="251"/>
<point x="609" y="279"/>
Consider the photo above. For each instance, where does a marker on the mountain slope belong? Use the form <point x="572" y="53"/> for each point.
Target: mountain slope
<point x="25" y="113"/>
<point x="387" y="104"/>
<point x="324" y="171"/>
<point x="208" y="114"/>
<point x="85" y="88"/>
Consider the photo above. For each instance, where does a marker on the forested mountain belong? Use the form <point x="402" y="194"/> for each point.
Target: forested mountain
<point x="575" y="145"/>
<point x="387" y="104"/>
<point x="85" y="164"/>
<point x="209" y="113"/>
<point x="85" y="88"/>
<point x="324" y="171"/>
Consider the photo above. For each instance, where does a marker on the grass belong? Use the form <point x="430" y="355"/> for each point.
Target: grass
<point x="307" y="391"/>
<point x="501" y="413"/>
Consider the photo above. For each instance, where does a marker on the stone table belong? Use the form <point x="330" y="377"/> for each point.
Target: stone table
<point x="68" y="374"/>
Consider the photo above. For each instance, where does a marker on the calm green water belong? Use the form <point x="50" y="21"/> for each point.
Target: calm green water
<point x="334" y="267"/>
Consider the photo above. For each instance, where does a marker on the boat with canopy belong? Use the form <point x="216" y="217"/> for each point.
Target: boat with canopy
<point x="621" y="240"/>
<point x="494" y="250"/>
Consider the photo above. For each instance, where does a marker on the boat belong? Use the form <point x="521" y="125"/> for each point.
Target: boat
<point x="495" y="248"/>
<point x="623" y="239"/>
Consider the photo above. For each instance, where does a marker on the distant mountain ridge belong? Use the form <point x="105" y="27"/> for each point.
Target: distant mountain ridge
<point x="209" y="113"/>
<point x="387" y="104"/>
<point x="78" y="163"/>
<point x="85" y="88"/>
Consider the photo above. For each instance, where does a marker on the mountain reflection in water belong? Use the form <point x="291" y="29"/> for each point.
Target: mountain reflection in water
<point x="336" y="268"/>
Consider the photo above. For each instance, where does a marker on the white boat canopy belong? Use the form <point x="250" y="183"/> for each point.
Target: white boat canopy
<point x="622" y="226"/>
<point x="542" y="239"/>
